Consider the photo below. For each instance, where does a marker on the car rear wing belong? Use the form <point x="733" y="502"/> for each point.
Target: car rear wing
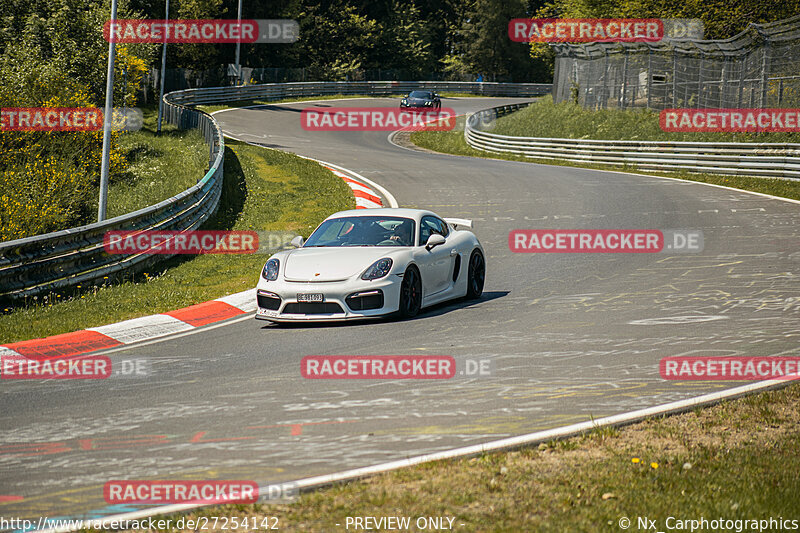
<point x="459" y="222"/>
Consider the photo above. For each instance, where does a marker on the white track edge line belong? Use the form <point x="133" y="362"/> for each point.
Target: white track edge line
<point x="466" y="451"/>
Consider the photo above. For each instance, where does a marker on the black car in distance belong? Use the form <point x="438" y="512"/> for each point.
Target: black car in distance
<point x="424" y="99"/>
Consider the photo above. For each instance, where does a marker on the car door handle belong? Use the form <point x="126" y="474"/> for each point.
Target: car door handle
<point x="453" y="252"/>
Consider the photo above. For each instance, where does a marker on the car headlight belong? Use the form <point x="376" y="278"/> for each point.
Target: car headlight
<point x="378" y="269"/>
<point x="404" y="101"/>
<point x="270" y="272"/>
<point x="428" y="102"/>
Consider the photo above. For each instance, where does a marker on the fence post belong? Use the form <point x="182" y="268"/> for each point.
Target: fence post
<point x="699" y="103"/>
<point x="741" y="81"/>
<point x="605" y="80"/>
<point x="649" y="76"/>
<point x="723" y="82"/>
<point x="674" y="78"/>
<point x="556" y="79"/>
<point x="624" y="88"/>
<point x="765" y="65"/>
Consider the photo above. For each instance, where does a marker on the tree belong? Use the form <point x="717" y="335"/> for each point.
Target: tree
<point x="486" y="45"/>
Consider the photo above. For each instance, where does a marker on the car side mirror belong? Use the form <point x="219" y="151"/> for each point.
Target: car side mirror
<point x="433" y="241"/>
<point x="297" y="242"/>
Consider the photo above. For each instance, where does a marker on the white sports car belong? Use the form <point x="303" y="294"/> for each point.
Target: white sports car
<point x="371" y="262"/>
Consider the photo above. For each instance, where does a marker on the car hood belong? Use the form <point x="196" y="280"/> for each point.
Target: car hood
<point x="331" y="264"/>
<point x="418" y="101"/>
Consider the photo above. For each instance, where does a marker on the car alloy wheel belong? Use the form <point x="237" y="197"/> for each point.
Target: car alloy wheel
<point x="476" y="275"/>
<point x="410" y="293"/>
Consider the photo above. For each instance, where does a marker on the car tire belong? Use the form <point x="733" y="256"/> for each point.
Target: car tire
<point x="410" y="293"/>
<point x="476" y="275"/>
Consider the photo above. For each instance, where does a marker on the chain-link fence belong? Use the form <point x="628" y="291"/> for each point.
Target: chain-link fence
<point x="760" y="67"/>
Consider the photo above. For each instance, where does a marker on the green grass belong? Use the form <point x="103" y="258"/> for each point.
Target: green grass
<point x="726" y="461"/>
<point x="158" y="166"/>
<point x="263" y="190"/>
<point x="452" y="142"/>
<point x="570" y="120"/>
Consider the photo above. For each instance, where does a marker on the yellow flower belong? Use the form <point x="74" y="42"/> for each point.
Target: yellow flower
<point x="654" y="465"/>
<point x="635" y="460"/>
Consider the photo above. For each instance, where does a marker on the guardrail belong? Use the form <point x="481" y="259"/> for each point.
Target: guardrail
<point x="74" y="256"/>
<point x="767" y="160"/>
<point x="277" y="91"/>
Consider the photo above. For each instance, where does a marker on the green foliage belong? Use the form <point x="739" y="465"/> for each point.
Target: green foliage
<point x="722" y="18"/>
<point x="336" y="41"/>
<point x="197" y="56"/>
<point x="485" y="43"/>
<point x="409" y="36"/>
<point x="54" y="55"/>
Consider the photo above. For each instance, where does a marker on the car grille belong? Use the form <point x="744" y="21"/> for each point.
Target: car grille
<point x="268" y="301"/>
<point x="362" y="301"/>
<point x="313" y="308"/>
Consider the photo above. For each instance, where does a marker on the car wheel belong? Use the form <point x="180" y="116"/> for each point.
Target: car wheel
<point x="476" y="275"/>
<point x="410" y="293"/>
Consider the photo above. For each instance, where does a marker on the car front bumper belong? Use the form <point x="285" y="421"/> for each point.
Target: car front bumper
<point x="335" y="305"/>
<point x="418" y="106"/>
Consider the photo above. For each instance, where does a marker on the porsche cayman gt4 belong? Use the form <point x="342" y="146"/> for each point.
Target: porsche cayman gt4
<point x="372" y="262"/>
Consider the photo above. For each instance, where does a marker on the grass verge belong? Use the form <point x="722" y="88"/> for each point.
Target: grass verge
<point x="264" y="190"/>
<point x="452" y="142"/>
<point x="736" y="460"/>
<point x="570" y="120"/>
<point x="159" y="166"/>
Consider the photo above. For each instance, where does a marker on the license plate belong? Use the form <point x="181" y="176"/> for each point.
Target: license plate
<point x="309" y="297"/>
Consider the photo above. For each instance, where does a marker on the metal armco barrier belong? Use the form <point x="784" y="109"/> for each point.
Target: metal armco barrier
<point x="277" y="91"/>
<point x="70" y="257"/>
<point x="767" y="160"/>
<point x="61" y="259"/>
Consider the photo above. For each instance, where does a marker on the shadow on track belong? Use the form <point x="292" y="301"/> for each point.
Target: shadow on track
<point x="429" y="312"/>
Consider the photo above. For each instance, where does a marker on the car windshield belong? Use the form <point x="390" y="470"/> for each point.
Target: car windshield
<point x="364" y="231"/>
<point x="420" y="94"/>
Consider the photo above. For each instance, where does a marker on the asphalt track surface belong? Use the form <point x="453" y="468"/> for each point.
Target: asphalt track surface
<point x="570" y="336"/>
